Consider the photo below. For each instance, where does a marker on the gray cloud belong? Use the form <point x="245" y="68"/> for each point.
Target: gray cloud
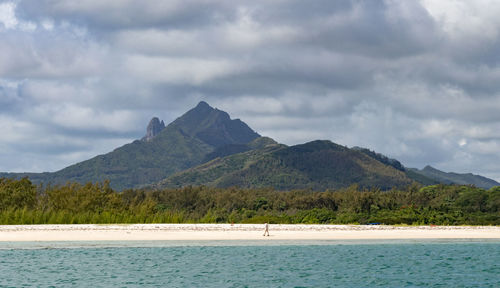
<point x="416" y="80"/>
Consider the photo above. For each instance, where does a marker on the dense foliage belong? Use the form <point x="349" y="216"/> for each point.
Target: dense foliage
<point x="21" y="202"/>
<point x="315" y="165"/>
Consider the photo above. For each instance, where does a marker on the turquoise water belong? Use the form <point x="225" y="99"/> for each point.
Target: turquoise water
<point x="251" y="264"/>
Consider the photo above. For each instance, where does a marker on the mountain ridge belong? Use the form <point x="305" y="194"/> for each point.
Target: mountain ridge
<point x="456" y="178"/>
<point x="317" y="165"/>
<point x="204" y="146"/>
<point x="160" y="153"/>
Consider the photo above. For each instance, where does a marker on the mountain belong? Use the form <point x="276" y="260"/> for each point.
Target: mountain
<point x="455" y="178"/>
<point x="205" y="146"/>
<point x="182" y="144"/>
<point x="430" y="175"/>
<point x="317" y="165"/>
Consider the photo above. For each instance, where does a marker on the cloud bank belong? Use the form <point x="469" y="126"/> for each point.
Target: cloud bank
<point x="415" y="80"/>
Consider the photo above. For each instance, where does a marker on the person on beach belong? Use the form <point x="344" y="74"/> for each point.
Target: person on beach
<point x="266" y="229"/>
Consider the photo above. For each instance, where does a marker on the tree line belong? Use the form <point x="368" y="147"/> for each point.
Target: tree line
<point x="22" y="202"/>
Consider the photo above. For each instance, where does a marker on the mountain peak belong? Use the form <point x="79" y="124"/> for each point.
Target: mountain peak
<point x="203" y="105"/>
<point x="204" y="110"/>
<point x="429" y="168"/>
<point x="153" y="129"/>
<point x="214" y="127"/>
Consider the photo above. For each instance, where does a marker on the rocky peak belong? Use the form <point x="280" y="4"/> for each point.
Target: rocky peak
<point x="154" y="127"/>
<point x="214" y="126"/>
<point x="203" y="105"/>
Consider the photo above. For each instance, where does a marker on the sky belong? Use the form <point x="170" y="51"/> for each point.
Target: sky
<point x="418" y="81"/>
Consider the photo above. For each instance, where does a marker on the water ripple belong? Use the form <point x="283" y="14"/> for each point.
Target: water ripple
<point x="361" y="265"/>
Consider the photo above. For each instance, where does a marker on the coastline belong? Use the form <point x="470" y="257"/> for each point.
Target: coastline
<point x="165" y="232"/>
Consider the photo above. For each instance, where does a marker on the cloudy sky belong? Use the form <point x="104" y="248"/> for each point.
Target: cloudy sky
<point x="416" y="80"/>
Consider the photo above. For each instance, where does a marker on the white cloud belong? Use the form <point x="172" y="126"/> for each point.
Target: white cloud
<point x="251" y="105"/>
<point x="8" y="15"/>
<point x="246" y="33"/>
<point x="11" y="128"/>
<point x="47" y="54"/>
<point x="179" y="70"/>
<point x="9" y="20"/>
<point x="75" y="117"/>
<point x="462" y="18"/>
<point x="47" y="24"/>
<point x="160" y="42"/>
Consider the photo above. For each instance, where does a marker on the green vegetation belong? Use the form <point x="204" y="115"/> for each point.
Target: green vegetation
<point x="21" y="202"/>
<point x="382" y="158"/>
<point x="205" y="147"/>
<point x="184" y="143"/>
<point x="316" y="165"/>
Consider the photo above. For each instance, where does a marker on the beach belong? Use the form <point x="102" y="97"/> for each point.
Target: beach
<point x="164" y="232"/>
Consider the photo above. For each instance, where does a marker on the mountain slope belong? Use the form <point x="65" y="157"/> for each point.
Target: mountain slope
<point x="456" y="178"/>
<point x="163" y="151"/>
<point x="205" y="147"/>
<point x="430" y="175"/>
<point x="420" y="178"/>
<point x="382" y="158"/>
<point x="317" y="165"/>
<point x="231" y="149"/>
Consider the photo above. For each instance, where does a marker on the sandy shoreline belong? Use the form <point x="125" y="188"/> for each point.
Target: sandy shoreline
<point x="151" y="232"/>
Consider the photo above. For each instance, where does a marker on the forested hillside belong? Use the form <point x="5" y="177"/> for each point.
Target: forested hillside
<point x="316" y="165"/>
<point x="182" y="144"/>
<point x="205" y="146"/>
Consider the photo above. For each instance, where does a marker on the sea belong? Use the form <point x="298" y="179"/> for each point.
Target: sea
<point x="401" y="263"/>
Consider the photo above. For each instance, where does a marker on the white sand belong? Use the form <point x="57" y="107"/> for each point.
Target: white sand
<point x="138" y="232"/>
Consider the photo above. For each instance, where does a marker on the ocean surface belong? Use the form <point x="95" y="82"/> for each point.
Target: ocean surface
<point x="251" y="264"/>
